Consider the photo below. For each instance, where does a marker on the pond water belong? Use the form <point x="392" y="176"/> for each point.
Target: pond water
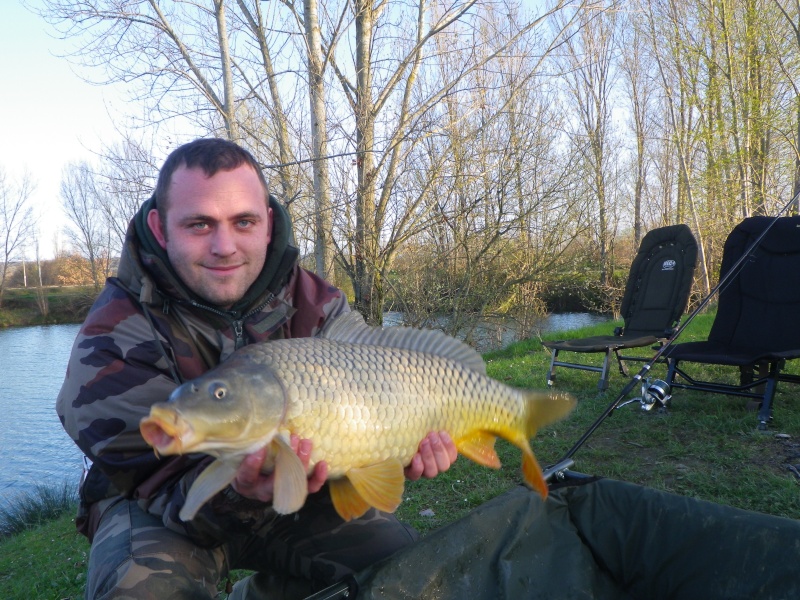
<point x="34" y="448"/>
<point x="492" y="335"/>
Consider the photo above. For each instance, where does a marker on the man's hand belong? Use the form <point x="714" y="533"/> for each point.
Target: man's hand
<point x="250" y="482"/>
<point x="436" y="453"/>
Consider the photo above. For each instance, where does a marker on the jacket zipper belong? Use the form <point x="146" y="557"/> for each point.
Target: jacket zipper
<point x="236" y="324"/>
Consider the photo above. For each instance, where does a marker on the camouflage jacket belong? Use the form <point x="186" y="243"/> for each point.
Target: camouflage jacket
<point x="145" y="334"/>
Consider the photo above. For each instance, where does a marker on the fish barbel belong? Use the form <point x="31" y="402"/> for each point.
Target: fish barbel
<point x="365" y="397"/>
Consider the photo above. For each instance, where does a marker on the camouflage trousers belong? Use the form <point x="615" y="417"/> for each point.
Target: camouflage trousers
<point x="135" y="556"/>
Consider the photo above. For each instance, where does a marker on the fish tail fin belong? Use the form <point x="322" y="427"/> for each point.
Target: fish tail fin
<point x="532" y="472"/>
<point x="542" y="408"/>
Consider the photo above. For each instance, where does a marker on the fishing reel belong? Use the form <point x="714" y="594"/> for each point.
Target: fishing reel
<point x="655" y="394"/>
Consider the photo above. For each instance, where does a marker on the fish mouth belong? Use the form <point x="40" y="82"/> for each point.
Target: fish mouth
<point x="166" y="431"/>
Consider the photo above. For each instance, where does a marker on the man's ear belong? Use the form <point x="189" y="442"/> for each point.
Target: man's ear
<point x="154" y="222"/>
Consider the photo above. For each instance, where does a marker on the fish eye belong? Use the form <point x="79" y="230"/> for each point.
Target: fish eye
<point x="218" y="391"/>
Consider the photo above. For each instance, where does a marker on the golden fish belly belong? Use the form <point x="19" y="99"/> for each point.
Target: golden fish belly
<point x="361" y="405"/>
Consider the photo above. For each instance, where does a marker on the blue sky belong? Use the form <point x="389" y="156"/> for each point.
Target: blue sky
<point x="50" y="116"/>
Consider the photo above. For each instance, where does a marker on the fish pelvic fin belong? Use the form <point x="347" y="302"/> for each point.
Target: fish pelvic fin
<point x="380" y="485"/>
<point x="479" y="447"/>
<point x="214" y="478"/>
<point x="291" y="483"/>
<point x="346" y="500"/>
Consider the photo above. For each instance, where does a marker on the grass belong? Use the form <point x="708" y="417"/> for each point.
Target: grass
<point x="706" y="446"/>
<point x="44" y="504"/>
<point x="41" y="555"/>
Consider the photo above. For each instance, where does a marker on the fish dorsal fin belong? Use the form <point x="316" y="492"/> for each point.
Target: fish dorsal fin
<point x="351" y="328"/>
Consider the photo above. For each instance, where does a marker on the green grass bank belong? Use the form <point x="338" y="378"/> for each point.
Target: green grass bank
<point x="23" y="307"/>
<point x="706" y="446"/>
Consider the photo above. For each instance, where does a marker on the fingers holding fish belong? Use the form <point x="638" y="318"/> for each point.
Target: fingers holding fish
<point x="303" y="450"/>
<point x="436" y="453"/>
<point x="251" y="482"/>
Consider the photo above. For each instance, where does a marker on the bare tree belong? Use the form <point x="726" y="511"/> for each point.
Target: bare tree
<point x="319" y="142"/>
<point x="126" y="178"/>
<point x="636" y="71"/>
<point x="394" y="98"/>
<point x="82" y="199"/>
<point x="590" y="73"/>
<point x="42" y="301"/>
<point x="17" y="223"/>
<point x="212" y="63"/>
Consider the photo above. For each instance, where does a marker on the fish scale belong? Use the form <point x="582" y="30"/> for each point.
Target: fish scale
<point x="349" y="427"/>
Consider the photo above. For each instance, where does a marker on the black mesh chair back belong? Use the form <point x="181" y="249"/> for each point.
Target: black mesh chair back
<point x="757" y="325"/>
<point x="656" y="295"/>
<point x="660" y="281"/>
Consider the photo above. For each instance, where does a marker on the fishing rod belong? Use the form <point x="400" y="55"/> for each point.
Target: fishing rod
<point x="566" y="461"/>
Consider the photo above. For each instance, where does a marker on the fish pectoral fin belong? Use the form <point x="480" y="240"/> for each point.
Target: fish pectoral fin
<point x="212" y="480"/>
<point x="346" y="500"/>
<point x="291" y="483"/>
<point x="479" y="446"/>
<point x="380" y="485"/>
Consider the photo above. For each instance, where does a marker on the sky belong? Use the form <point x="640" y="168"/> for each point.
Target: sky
<point x="50" y="116"/>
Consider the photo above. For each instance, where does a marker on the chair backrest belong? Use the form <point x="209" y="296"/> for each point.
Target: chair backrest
<point x="659" y="282"/>
<point x="760" y="307"/>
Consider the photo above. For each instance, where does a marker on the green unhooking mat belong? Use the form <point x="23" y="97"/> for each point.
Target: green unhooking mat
<point x="603" y="539"/>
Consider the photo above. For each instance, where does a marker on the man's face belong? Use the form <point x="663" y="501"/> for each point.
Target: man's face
<point x="216" y="232"/>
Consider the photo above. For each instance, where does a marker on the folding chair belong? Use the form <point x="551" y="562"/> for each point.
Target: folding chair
<point x="757" y="325"/>
<point x="656" y="295"/>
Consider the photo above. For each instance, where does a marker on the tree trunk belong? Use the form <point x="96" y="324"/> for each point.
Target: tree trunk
<point x="319" y="145"/>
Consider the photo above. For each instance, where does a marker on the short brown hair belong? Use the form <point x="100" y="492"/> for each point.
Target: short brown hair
<point x="209" y="154"/>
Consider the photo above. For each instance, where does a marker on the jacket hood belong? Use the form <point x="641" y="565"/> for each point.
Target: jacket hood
<point x="143" y="257"/>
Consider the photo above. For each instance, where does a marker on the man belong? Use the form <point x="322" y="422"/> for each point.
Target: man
<point x="207" y="268"/>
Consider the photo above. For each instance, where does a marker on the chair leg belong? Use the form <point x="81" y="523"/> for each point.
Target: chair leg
<point x="623" y="368"/>
<point x="551" y="376"/>
<point x="602" y="385"/>
<point x="672" y="366"/>
<point x="765" y="414"/>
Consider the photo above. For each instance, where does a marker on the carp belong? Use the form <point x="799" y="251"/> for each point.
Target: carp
<point x="365" y="396"/>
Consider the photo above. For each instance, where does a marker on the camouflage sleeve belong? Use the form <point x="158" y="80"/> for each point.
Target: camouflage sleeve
<point x="317" y="303"/>
<point x="115" y="373"/>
